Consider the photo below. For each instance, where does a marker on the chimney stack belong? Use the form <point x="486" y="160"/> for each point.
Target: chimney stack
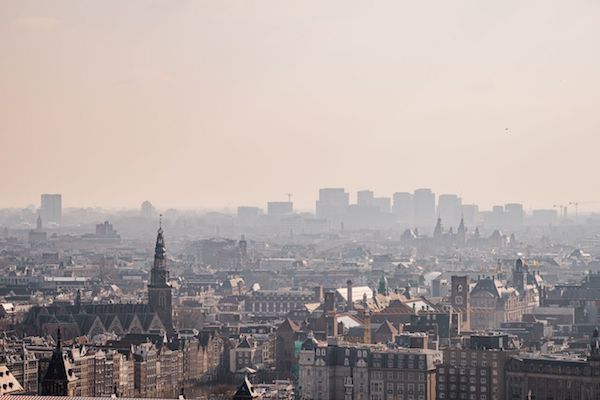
<point x="329" y="302"/>
<point x="350" y="300"/>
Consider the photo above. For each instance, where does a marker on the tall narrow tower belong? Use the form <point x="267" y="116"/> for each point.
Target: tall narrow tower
<point x="60" y="379"/>
<point x="159" y="290"/>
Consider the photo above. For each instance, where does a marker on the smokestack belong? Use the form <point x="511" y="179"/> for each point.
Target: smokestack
<point x="350" y="306"/>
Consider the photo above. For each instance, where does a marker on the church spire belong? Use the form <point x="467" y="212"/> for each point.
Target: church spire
<point x="159" y="275"/>
<point x="461" y="226"/>
<point x="159" y="290"/>
<point x="438" y="231"/>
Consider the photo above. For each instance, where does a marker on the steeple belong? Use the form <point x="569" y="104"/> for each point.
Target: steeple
<point x="159" y="290"/>
<point x="461" y="227"/>
<point x="461" y="232"/>
<point x="438" y="231"/>
<point x="160" y="274"/>
<point x="60" y="379"/>
<point x="246" y="391"/>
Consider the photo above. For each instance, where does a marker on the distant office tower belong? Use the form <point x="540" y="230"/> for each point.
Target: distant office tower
<point x="383" y="204"/>
<point x="147" y="209"/>
<point x="514" y="214"/>
<point x="403" y="208"/>
<point x="280" y="207"/>
<point x="424" y="202"/>
<point x="470" y="214"/>
<point x="364" y="198"/>
<point x="51" y="208"/>
<point x="248" y="213"/>
<point x="333" y="203"/>
<point x="495" y="218"/>
<point x="449" y="209"/>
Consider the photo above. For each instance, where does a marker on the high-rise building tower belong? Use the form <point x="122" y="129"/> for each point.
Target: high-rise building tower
<point x="147" y="210"/>
<point x="332" y="204"/>
<point x="51" y="208"/>
<point x="159" y="290"/>
<point x="424" y="202"/>
<point x="514" y="214"/>
<point x="449" y="209"/>
<point x="364" y="198"/>
<point x="403" y="208"/>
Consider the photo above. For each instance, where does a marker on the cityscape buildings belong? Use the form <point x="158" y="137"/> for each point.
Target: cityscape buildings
<point x="366" y="304"/>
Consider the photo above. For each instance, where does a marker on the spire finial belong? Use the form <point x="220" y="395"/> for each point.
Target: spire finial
<point x="160" y="222"/>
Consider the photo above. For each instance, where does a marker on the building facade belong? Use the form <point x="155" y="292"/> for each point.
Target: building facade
<point x="359" y="371"/>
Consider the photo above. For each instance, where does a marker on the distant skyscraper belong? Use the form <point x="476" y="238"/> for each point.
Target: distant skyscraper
<point x="383" y="204"/>
<point x="364" y="198"/>
<point x="51" y="208"/>
<point x="514" y="214"/>
<point x="147" y="210"/>
<point x="449" y="209"/>
<point x="470" y="214"/>
<point x="424" y="202"/>
<point x="333" y="203"/>
<point x="248" y="214"/>
<point x="403" y="208"/>
<point x="280" y="207"/>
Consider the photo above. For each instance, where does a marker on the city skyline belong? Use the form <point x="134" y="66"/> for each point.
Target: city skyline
<point x="572" y="207"/>
<point x="491" y="101"/>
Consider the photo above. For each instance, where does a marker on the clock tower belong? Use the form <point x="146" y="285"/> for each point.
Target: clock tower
<point x="460" y="299"/>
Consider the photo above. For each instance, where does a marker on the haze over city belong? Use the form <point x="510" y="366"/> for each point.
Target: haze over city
<point x="299" y="200"/>
<point x="224" y="103"/>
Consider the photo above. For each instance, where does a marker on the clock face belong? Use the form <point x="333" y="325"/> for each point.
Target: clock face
<point x="458" y="300"/>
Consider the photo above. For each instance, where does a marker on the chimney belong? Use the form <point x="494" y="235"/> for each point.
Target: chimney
<point x="329" y="302"/>
<point x="367" y="327"/>
<point x="318" y="292"/>
<point x="350" y="305"/>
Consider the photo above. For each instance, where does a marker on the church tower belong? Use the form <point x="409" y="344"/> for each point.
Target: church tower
<point x="159" y="290"/>
<point x="60" y="379"/>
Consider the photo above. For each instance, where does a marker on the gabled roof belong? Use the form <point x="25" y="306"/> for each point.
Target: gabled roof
<point x="245" y="391"/>
<point x="288" y="325"/>
<point x="245" y="344"/>
<point x="388" y="328"/>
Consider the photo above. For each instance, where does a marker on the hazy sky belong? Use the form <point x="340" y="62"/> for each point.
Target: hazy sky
<point x="222" y="103"/>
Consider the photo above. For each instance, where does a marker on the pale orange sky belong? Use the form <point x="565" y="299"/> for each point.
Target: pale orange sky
<point x="222" y="103"/>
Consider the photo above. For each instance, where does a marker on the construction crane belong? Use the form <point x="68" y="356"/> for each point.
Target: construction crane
<point x="562" y="208"/>
<point x="577" y="203"/>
